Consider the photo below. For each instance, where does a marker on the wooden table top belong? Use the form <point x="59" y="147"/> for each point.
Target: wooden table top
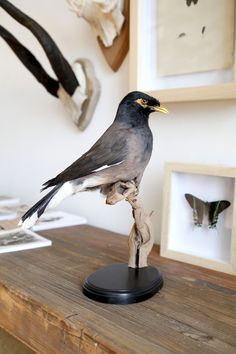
<point x="41" y="302"/>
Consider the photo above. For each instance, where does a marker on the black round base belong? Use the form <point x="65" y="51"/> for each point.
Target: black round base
<point x="119" y="284"/>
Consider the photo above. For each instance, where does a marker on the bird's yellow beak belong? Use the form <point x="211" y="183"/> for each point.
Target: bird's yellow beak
<point x="160" y="109"/>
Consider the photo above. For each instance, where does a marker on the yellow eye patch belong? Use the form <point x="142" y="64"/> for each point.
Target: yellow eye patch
<point x="142" y="102"/>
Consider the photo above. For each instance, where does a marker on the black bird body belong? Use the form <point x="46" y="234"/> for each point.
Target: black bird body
<point x="129" y="147"/>
<point x="120" y="154"/>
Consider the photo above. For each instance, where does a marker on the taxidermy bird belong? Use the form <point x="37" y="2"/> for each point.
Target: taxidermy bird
<point x="120" y="154"/>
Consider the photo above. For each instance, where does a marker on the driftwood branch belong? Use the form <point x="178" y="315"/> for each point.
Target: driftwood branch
<point x="141" y="235"/>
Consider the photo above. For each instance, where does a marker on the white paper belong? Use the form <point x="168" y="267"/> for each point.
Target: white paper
<point x="57" y="219"/>
<point x="8" y="201"/>
<point x="19" y="240"/>
<point x="195" y="38"/>
<point x="5" y="214"/>
<point x="148" y="76"/>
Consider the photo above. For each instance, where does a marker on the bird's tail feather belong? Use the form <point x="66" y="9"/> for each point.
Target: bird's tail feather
<point x="32" y="215"/>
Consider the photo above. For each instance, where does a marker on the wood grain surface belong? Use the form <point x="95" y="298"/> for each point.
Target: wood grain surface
<point x="41" y="302"/>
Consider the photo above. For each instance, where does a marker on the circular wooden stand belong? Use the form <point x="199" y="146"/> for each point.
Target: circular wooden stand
<point x="120" y="284"/>
<point x="135" y="281"/>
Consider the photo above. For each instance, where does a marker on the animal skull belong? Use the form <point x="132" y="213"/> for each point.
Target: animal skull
<point x="105" y="17"/>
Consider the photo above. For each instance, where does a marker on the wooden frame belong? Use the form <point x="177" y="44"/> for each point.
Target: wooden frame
<point x="209" y="91"/>
<point x="178" y="177"/>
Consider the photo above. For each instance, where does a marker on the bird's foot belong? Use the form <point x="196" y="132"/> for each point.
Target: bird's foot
<point x="130" y="188"/>
<point x="121" y="191"/>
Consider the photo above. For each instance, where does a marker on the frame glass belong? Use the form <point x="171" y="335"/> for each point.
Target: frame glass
<point x="208" y="85"/>
<point x="201" y="243"/>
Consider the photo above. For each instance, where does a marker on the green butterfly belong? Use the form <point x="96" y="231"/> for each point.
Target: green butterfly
<point x="211" y="209"/>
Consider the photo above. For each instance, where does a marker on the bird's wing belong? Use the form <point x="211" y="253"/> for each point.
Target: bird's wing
<point x="110" y="149"/>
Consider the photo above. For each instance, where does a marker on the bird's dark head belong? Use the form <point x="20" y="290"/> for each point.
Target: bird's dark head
<point x="138" y="102"/>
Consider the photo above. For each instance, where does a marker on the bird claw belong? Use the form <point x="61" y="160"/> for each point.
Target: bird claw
<point x="130" y="188"/>
<point x="121" y="191"/>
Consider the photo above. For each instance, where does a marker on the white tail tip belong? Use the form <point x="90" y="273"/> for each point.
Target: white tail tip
<point x="20" y="223"/>
<point x="29" y="222"/>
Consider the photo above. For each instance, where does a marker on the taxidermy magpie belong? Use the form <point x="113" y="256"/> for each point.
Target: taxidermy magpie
<point x="120" y="154"/>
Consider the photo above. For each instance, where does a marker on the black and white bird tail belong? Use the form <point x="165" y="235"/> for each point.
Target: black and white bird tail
<point x="32" y="215"/>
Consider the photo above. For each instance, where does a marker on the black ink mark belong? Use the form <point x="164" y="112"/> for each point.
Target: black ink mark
<point x="189" y="2"/>
<point x="203" y="30"/>
<point x="181" y="35"/>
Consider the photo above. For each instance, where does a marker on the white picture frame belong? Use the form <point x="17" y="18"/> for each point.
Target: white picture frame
<point x="181" y="239"/>
<point x="202" y="86"/>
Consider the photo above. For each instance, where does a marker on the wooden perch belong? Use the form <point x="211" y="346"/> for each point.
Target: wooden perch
<point x="141" y="235"/>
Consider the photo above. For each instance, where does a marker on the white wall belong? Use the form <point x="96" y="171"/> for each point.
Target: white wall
<point x="38" y="139"/>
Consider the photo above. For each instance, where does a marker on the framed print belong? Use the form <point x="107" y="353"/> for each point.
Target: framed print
<point x="199" y="216"/>
<point x="183" y="50"/>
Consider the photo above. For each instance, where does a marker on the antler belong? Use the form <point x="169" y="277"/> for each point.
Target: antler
<point x="30" y="62"/>
<point x="59" y="64"/>
<point x="79" y="100"/>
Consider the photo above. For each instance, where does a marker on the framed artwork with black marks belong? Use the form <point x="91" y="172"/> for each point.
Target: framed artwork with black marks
<point x="199" y="216"/>
<point x="185" y="51"/>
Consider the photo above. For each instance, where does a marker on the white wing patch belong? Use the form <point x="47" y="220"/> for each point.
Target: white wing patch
<point x="107" y="166"/>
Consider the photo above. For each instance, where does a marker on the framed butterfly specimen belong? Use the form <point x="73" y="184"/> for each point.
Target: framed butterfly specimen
<point x="200" y="227"/>
<point x="210" y="209"/>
